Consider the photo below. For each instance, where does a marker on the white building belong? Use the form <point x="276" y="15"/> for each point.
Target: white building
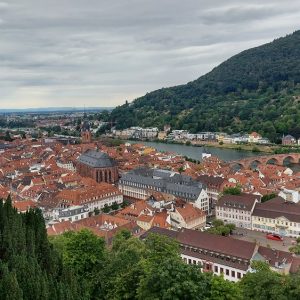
<point x="236" y="209"/>
<point x="277" y="216"/>
<point x="224" y="255"/>
<point x="72" y="213"/>
<point x="290" y="195"/>
<point x="187" y="216"/>
<point x="139" y="184"/>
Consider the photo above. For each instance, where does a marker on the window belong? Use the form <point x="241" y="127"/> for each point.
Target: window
<point x="233" y="274"/>
<point x="227" y="272"/>
<point x="190" y="261"/>
<point x="216" y="269"/>
<point x="239" y="275"/>
<point x="221" y="270"/>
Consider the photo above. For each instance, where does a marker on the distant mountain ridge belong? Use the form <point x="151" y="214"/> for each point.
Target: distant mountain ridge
<point x="255" y="90"/>
<point x="54" y="109"/>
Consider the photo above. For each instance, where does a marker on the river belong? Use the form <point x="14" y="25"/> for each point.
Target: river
<point x="196" y="152"/>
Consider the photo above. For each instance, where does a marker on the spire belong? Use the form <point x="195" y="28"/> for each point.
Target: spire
<point x="84" y="113"/>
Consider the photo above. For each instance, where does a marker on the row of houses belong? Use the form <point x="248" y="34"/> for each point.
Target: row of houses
<point x="137" y="133"/>
<point x="141" y="182"/>
<point x="276" y="216"/>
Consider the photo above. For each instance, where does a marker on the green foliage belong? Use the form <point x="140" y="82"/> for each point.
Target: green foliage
<point x="220" y="228"/>
<point x="106" y="209"/>
<point x="255" y="90"/>
<point x="255" y="149"/>
<point x="180" y="169"/>
<point x="29" y="266"/>
<point x="232" y="191"/>
<point x="265" y="284"/>
<point x="115" y="206"/>
<point x="83" y="252"/>
<point x="267" y="197"/>
<point x="296" y="249"/>
<point x="77" y="265"/>
<point x="224" y="290"/>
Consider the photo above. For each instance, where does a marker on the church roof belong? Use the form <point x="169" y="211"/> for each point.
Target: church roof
<point x="96" y="159"/>
<point x="86" y="126"/>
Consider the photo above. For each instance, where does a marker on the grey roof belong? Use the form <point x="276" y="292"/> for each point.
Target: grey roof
<point x="276" y="208"/>
<point x="96" y="159"/>
<point x="165" y="181"/>
<point x="85" y="125"/>
<point x="69" y="212"/>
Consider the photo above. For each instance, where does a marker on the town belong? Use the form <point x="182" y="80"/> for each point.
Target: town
<point x="225" y="215"/>
<point x="183" y="136"/>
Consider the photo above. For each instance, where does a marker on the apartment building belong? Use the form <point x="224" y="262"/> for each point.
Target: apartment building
<point x="141" y="182"/>
<point x="277" y="216"/>
<point x="225" y="256"/>
<point x="237" y="209"/>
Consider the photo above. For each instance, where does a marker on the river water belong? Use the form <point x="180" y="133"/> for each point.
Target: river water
<point x="196" y="152"/>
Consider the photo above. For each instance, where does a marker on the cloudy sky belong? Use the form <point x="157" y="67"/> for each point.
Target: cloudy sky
<point x="102" y="52"/>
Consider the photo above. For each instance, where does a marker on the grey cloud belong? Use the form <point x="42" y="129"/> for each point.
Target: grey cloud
<point x="56" y="53"/>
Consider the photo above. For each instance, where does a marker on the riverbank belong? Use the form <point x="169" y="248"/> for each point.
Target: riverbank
<point x="250" y="148"/>
<point x="242" y="147"/>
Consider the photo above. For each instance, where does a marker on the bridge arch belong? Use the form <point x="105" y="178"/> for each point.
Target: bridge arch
<point x="253" y="164"/>
<point x="289" y="159"/>
<point x="237" y="166"/>
<point x="272" y="161"/>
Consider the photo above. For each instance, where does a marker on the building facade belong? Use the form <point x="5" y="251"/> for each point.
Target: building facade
<point x="97" y="165"/>
<point x="237" y="209"/>
<point x="224" y="256"/>
<point x="96" y="197"/>
<point x="187" y="216"/>
<point x="140" y="183"/>
<point x="277" y="216"/>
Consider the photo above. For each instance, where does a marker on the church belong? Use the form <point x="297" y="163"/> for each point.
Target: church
<point x="86" y="135"/>
<point x="98" y="165"/>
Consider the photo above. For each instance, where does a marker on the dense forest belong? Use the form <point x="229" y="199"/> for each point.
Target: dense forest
<point x="256" y="90"/>
<point x="78" y="265"/>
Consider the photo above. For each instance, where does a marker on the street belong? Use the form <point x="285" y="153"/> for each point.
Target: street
<point x="260" y="238"/>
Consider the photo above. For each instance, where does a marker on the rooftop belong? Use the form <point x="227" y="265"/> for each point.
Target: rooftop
<point x="96" y="159"/>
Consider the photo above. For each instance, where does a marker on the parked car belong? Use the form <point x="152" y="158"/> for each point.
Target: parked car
<point x="274" y="237"/>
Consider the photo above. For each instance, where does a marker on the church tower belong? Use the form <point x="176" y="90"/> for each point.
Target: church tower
<point x="86" y="135"/>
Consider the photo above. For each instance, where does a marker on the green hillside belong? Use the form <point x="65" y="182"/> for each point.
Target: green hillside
<point x="256" y="90"/>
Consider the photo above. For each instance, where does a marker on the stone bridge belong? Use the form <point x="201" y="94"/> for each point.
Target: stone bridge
<point x="275" y="159"/>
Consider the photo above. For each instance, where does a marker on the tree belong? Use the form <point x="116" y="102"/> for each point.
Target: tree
<point x="224" y="290"/>
<point x="106" y="209"/>
<point x="180" y="169"/>
<point x="232" y="191"/>
<point x="220" y="228"/>
<point x="83" y="252"/>
<point x="123" y="271"/>
<point x="268" y="197"/>
<point x="115" y="206"/>
<point x="9" y="286"/>
<point x="170" y="278"/>
<point x="263" y="284"/>
<point x="29" y="266"/>
<point x="96" y="211"/>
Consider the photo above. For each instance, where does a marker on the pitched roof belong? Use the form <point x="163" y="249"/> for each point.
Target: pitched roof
<point x="189" y="212"/>
<point x="96" y="159"/>
<point x="210" y="242"/>
<point x="243" y="201"/>
<point x="278" y="207"/>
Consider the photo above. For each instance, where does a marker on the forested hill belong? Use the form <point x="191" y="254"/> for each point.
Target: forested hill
<point x="256" y="90"/>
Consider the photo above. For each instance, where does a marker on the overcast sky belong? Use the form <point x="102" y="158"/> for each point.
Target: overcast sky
<point x="102" y="52"/>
